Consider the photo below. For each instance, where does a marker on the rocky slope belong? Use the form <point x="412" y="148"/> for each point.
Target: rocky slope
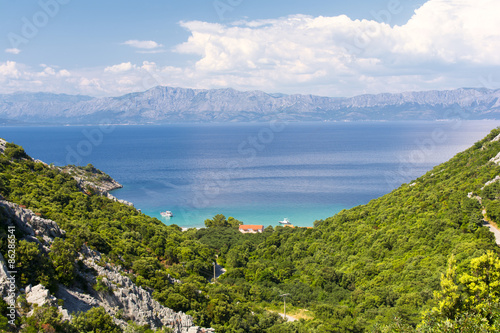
<point x="90" y="178"/>
<point x="167" y="105"/>
<point x="122" y="298"/>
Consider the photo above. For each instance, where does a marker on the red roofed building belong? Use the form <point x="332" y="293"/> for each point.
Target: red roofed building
<point x="251" y="229"/>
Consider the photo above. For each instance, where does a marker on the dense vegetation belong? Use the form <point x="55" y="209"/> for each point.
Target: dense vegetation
<point x="410" y="260"/>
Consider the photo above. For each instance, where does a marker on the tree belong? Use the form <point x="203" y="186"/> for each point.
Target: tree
<point x="33" y="265"/>
<point x="218" y="220"/>
<point x="95" y="320"/>
<point x="482" y="282"/>
<point x="449" y="298"/>
<point x="469" y="303"/>
<point x="47" y="319"/>
<point x="234" y="222"/>
<point x="63" y="256"/>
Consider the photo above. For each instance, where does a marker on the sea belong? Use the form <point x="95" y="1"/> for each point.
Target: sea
<point x="258" y="173"/>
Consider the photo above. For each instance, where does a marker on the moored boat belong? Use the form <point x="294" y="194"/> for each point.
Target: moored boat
<point x="167" y="214"/>
<point x="285" y="221"/>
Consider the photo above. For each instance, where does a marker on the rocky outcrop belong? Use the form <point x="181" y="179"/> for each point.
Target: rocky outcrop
<point x="97" y="181"/>
<point x="39" y="295"/>
<point x="4" y="278"/>
<point x="112" y="197"/>
<point x="30" y="223"/>
<point x="101" y="187"/>
<point x="91" y="177"/>
<point x="496" y="159"/>
<point x="122" y="299"/>
<point x="494" y="180"/>
<point x="2" y="145"/>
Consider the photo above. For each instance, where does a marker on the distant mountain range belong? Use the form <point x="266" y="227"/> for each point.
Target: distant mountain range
<point x="161" y="105"/>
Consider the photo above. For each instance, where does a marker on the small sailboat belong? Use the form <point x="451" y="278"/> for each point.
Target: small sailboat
<point x="285" y="221"/>
<point x="167" y="214"/>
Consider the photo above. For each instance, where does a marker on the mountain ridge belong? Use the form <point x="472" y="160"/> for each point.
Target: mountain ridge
<point x="161" y="104"/>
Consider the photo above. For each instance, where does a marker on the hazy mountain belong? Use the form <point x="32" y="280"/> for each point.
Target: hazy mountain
<point x="166" y="105"/>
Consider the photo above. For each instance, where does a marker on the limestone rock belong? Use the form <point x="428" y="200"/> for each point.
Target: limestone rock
<point x="2" y="145"/>
<point x="123" y="299"/>
<point x="496" y="179"/>
<point x="496" y="159"/>
<point x="39" y="295"/>
<point x="31" y="224"/>
<point x="4" y="277"/>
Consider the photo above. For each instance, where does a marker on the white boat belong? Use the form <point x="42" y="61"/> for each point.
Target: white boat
<point x="167" y="214"/>
<point x="285" y="221"/>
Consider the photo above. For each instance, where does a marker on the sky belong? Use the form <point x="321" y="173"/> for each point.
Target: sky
<point x="329" y="48"/>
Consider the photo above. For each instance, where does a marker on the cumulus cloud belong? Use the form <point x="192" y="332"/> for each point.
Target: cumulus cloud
<point x="9" y="70"/>
<point x="13" y="51"/>
<point x="123" y="67"/>
<point x="143" y="44"/>
<point x="443" y="36"/>
<point x="446" y="44"/>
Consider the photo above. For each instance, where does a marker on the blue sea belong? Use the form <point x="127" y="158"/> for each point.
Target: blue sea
<point x="259" y="173"/>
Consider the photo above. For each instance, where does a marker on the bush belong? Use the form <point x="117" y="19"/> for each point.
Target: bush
<point x="95" y="320"/>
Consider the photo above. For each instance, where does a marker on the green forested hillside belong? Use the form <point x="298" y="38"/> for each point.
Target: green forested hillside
<point x="375" y="267"/>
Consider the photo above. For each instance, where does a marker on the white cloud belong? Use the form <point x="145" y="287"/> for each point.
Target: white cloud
<point x="338" y="55"/>
<point x="143" y="44"/>
<point x="123" y="67"/>
<point x="13" y="51"/>
<point x="63" y="73"/>
<point x="9" y="70"/>
<point x="151" y="51"/>
<point x="446" y="44"/>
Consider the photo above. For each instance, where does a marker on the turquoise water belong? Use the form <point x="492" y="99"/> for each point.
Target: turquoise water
<point x="258" y="173"/>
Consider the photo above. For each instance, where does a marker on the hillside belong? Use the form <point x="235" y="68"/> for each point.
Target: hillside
<point x="169" y="105"/>
<point x="365" y="269"/>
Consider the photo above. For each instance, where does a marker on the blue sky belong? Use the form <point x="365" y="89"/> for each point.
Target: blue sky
<point x="335" y="48"/>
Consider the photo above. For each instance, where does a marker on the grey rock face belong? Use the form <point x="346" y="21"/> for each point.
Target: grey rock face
<point x="124" y="299"/>
<point x="4" y="278"/>
<point x="168" y="105"/>
<point x="31" y="224"/>
<point x="39" y="295"/>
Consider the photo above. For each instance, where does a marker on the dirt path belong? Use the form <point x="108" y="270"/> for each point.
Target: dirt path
<point x="492" y="226"/>
<point x="288" y="318"/>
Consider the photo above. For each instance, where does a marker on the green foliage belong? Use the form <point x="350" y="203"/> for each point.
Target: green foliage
<point x="63" y="256"/>
<point x="47" y="319"/>
<point x="101" y="285"/>
<point x="14" y="152"/>
<point x="449" y="296"/>
<point x="34" y="266"/>
<point x="95" y="320"/>
<point x="468" y="301"/>
<point x="3" y="315"/>
<point x="134" y="328"/>
<point x="219" y="220"/>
